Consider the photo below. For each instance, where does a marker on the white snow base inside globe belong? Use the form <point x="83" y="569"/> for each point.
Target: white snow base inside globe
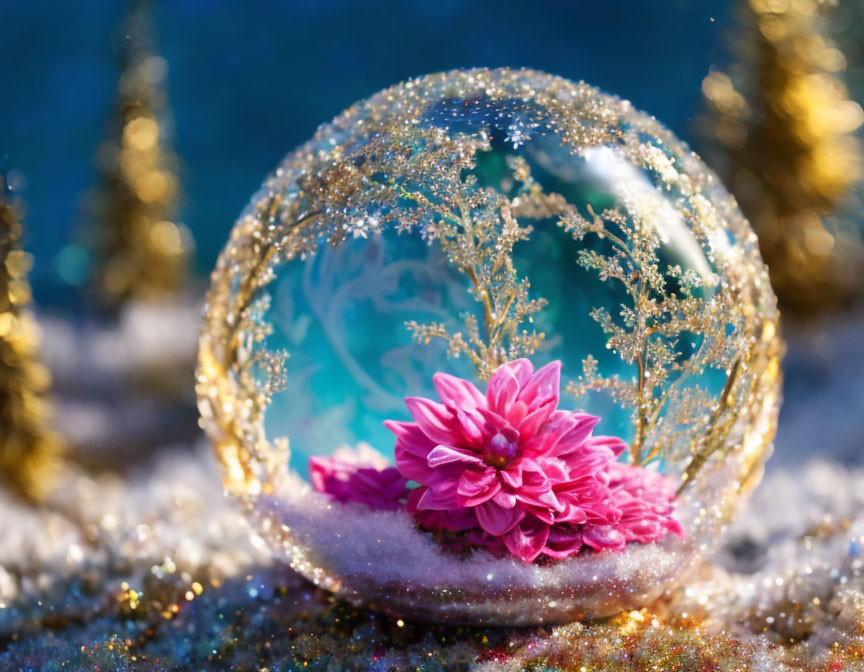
<point x="423" y="581"/>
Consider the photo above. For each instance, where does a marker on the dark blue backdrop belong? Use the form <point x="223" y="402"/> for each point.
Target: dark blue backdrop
<point x="248" y="81"/>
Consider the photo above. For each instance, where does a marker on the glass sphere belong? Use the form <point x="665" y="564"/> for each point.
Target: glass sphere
<point x="492" y="347"/>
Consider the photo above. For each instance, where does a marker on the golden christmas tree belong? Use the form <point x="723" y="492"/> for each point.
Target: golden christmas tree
<point x="783" y="117"/>
<point x="142" y="251"/>
<point x="29" y="449"/>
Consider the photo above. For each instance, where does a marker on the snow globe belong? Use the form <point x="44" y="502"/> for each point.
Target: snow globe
<point x="492" y="347"/>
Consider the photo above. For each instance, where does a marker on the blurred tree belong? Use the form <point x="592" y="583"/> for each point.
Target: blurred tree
<point x="29" y="449"/>
<point x="142" y="252"/>
<point x="784" y="124"/>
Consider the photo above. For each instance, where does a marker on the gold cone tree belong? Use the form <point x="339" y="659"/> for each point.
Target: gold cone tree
<point x="29" y="449"/>
<point x="785" y="124"/>
<point x="142" y="252"/>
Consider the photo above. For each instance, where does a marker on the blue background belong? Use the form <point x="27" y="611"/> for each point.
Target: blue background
<point x="248" y="81"/>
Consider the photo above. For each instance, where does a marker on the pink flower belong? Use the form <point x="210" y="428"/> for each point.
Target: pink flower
<point x="646" y="500"/>
<point x="508" y="467"/>
<point x="507" y="471"/>
<point x="360" y="475"/>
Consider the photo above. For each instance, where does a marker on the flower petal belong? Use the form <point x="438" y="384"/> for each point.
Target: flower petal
<point x="540" y="445"/>
<point x="563" y="542"/>
<point x="502" y="391"/>
<point x="603" y="538"/>
<point x="457" y="392"/>
<point x="516" y="413"/>
<point x="435" y="419"/>
<point x="522" y="368"/>
<point x="506" y="500"/>
<point x="532" y="422"/>
<point x="555" y="470"/>
<point x="543" y="514"/>
<point x="414" y="498"/>
<point x="320" y="471"/>
<point x="477" y="486"/>
<point x="600" y="513"/>
<point x="412" y="467"/>
<point x="512" y="475"/>
<point x="412" y="448"/>
<point x="496" y="520"/>
<point x="495" y="424"/>
<point x="456" y="521"/>
<point x="613" y="443"/>
<point x="526" y="541"/>
<point x="536" y="490"/>
<point x="438" y="498"/>
<point x="473" y="427"/>
<point x="574" y="429"/>
<point x="543" y="386"/>
<point x="539" y="498"/>
<point x="571" y="514"/>
<point x="411" y="437"/>
<point x="442" y="455"/>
